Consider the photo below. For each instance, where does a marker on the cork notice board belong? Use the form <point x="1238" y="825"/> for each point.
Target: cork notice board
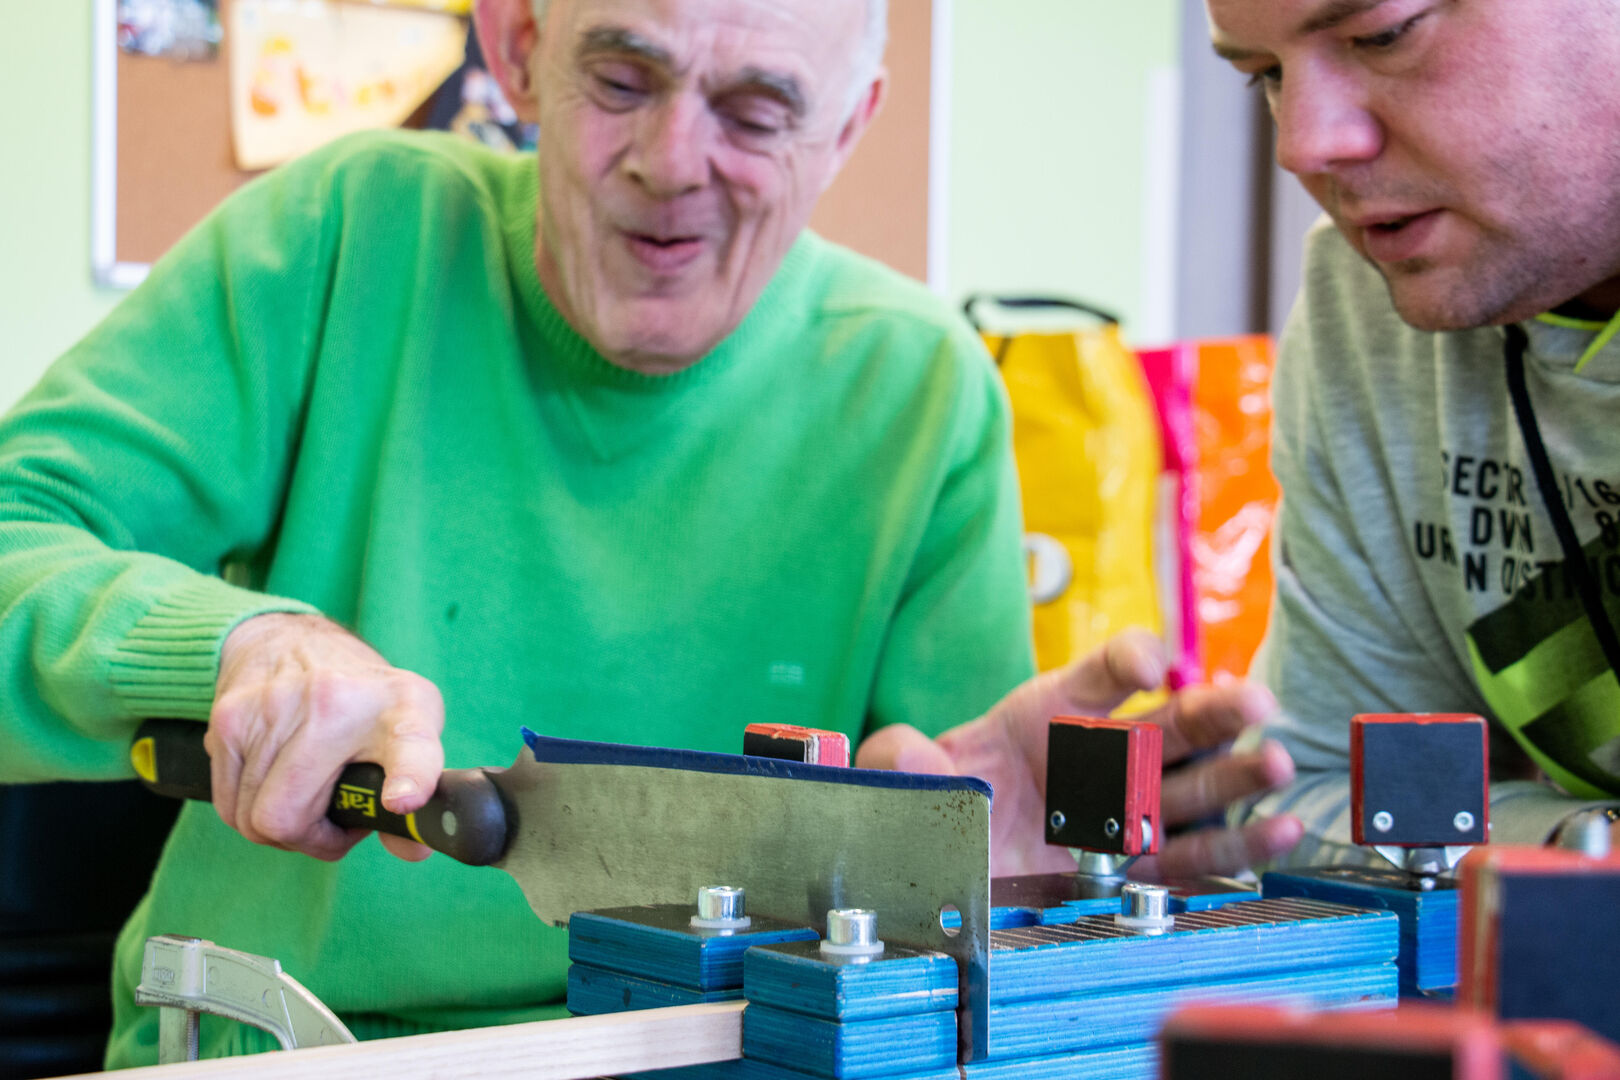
<point x="163" y="154"/>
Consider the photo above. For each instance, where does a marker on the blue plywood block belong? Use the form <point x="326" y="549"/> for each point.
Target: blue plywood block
<point x="593" y="991"/>
<point x="1135" y="1061"/>
<point x="1428" y="957"/>
<point x="796" y="976"/>
<point x="1109" y="1017"/>
<point x="849" y="1050"/>
<point x="657" y="942"/>
<point x="1075" y="909"/>
<point x="1184" y="896"/>
<point x="1064" y="914"/>
<point x="764" y="1070"/>
<point x="1204" y="894"/>
<point x="1000" y="918"/>
<point x="1059" y="899"/>
<point x="1235" y="941"/>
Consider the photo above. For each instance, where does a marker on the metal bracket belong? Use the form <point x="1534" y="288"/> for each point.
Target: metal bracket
<point x="1101" y="865"/>
<point x="185" y="977"/>
<point x="1424" y="863"/>
<point x="1107" y="866"/>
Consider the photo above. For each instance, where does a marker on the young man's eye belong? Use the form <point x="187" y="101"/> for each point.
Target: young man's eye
<point x="1387" y="39"/>
<point x="1271" y="76"/>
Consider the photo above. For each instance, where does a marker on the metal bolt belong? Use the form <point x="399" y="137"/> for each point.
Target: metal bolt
<point x="720" y="908"/>
<point x="1057" y="821"/>
<point x="1144" y="901"/>
<point x="1382" y="821"/>
<point x="852" y="933"/>
<point x="1144" y="909"/>
<point x="1464" y="821"/>
<point x="1111" y="827"/>
<point x="852" y="926"/>
<point x="720" y="902"/>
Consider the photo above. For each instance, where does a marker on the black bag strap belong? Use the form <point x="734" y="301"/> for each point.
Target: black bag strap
<point x="972" y="305"/>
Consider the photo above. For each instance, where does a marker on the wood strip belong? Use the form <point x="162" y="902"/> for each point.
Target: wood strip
<point x="570" y="1049"/>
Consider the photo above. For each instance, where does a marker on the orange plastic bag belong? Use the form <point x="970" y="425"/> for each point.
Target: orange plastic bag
<point x="1237" y="500"/>
<point x="1214" y="402"/>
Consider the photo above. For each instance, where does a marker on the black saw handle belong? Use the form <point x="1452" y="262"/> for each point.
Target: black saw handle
<point x="466" y="818"/>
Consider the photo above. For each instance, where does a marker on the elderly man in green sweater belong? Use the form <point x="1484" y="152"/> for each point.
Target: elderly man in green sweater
<point x="409" y="444"/>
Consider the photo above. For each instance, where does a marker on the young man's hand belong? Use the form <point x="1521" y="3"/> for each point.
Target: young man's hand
<point x="1007" y="747"/>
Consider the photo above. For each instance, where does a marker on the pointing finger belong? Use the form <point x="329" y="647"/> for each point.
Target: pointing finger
<point x="1227" y="851"/>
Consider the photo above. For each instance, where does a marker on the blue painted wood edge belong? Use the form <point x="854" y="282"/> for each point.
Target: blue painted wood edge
<point x="579" y="752"/>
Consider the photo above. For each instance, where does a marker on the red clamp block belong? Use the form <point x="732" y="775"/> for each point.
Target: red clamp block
<point x="1214" y="1042"/>
<point x="1540" y="936"/>
<point x="1560" y="1050"/>
<point x="791" y="743"/>
<point x="1102" y="784"/>
<point x="1419" y="780"/>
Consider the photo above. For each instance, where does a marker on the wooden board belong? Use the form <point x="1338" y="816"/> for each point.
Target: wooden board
<point x="571" y="1049"/>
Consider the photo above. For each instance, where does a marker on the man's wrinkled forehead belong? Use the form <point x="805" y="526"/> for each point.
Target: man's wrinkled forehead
<point x="1241" y="29"/>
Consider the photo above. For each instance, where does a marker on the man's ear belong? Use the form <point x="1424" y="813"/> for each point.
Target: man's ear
<point x="508" y="36"/>
<point x="866" y="109"/>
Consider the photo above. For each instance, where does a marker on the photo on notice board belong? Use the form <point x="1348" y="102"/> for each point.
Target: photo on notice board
<point x="304" y="74"/>
<point x="173" y="29"/>
<point x="470" y="103"/>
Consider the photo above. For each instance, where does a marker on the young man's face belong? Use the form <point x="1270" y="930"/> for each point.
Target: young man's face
<point x="683" y="145"/>
<point x="1468" y="149"/>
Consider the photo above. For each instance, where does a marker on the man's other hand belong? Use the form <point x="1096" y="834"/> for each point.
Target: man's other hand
<point x="1007" y="747"/>
<point x="298" y="698"/>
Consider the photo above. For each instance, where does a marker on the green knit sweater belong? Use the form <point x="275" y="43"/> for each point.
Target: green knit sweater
<point x="346" y="391"/>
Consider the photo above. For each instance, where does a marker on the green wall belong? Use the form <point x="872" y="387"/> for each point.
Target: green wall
<point x="1048" y="144"/>
<point x="47" y="300"/>
<point x="1047" y="149"/>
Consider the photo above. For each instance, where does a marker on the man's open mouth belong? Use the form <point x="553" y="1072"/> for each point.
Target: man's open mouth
<point x="664" y="241"/>
<point x="664" y="253"/>
<point x="1400" y="237"/>
<point x="1394" y="224"/>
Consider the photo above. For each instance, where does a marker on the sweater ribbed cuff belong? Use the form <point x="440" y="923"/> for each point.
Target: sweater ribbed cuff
<point x="168" y="663"/>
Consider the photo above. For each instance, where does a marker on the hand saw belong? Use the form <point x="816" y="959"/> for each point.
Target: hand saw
<point x="584" y="825"/>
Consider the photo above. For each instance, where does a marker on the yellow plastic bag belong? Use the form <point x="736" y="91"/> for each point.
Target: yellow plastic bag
<point x="1086" y="437"/>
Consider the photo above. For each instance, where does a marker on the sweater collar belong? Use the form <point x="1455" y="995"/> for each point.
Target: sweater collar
<point x="1585" y="348"/>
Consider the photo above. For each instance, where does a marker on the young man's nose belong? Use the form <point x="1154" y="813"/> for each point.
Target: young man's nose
<point x="1324" y="123"/>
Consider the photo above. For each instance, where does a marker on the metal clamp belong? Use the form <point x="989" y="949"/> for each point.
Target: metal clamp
<point x="185" y="977"/>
